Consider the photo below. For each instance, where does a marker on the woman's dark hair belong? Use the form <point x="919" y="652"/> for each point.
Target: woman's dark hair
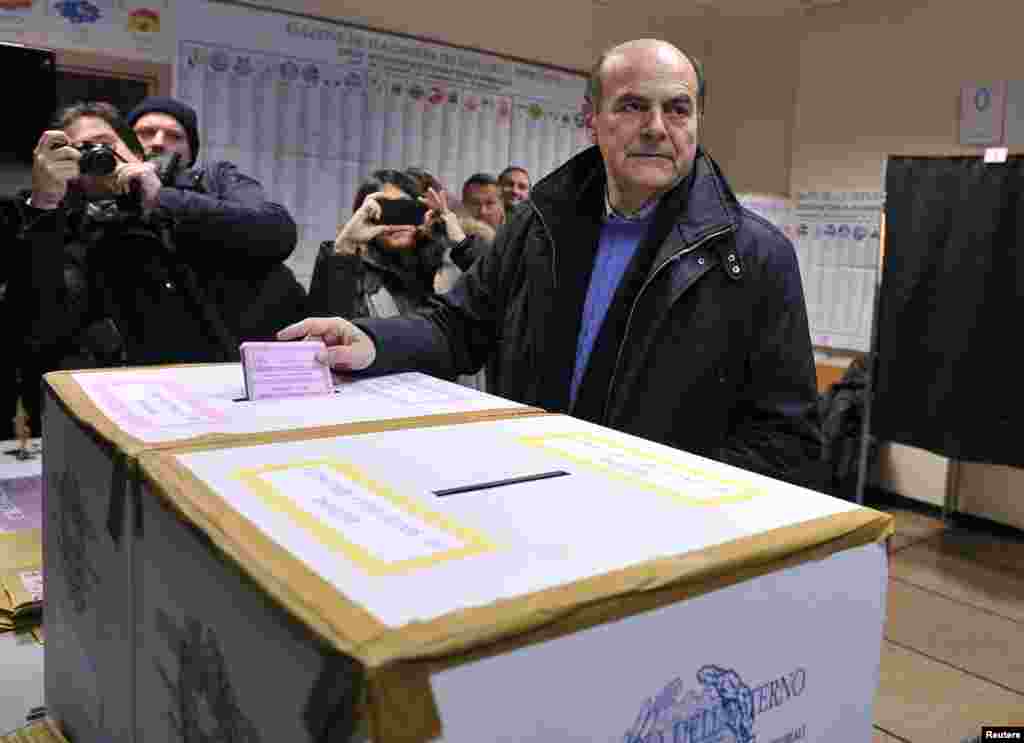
<point x="425" y="179"/>
<point x="380" y="178"/>
<point x="108" y="113"/>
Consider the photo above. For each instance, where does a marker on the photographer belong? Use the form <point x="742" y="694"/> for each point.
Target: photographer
<point x="224" y="225"/>
<point x="101" y="273"/>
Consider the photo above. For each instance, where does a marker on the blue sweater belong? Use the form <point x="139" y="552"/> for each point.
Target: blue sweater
<point x="619" y="240"/>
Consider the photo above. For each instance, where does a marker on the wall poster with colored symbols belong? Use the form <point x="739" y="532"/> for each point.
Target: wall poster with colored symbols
<point x="310" y="108"/>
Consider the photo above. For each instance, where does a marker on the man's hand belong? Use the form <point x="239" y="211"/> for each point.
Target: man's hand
<point x="348" y="347"/>
<point x="359" y="230"/>
<point x="55" y="163"/>
<point x="143" y="174"/>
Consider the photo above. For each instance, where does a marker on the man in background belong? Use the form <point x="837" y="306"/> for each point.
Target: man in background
<point x="481" y="197"/>
<point x="514" y="183"/>
<point x="224" y="221"/>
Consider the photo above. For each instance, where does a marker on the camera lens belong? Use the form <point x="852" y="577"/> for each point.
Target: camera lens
<point x="97" y="159"/>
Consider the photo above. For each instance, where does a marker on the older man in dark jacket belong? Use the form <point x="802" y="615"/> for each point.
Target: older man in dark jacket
<point x="633" y="292"/>
<point x="113" y="261"/>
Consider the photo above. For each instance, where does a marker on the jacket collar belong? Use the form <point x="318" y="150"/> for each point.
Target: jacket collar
<point x="569" y="190"/>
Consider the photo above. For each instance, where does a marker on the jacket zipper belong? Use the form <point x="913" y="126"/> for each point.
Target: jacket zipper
<point x="636" y="301"/>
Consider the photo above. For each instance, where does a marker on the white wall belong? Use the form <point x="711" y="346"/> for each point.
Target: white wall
<point x="879" y="78"/>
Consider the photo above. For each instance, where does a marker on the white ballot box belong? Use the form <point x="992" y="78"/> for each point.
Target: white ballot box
<point x="96" y="424"/>
<point x="527" y="579"/>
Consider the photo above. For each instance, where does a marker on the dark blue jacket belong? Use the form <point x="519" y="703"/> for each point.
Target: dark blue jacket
<point x="715" y="357"/>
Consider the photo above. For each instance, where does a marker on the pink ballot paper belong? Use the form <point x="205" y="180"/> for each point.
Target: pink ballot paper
<point x="284" y="369"/>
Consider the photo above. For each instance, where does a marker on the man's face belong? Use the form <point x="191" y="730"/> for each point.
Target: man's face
<point x="161" y="133"/>
<point x="515" y="187"/>
<point x="94" y="130"/>
<point x="483" y="203"/>
<point x="646" y="127"/>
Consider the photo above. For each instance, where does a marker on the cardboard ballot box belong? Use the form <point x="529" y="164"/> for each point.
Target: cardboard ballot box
<point x="360" y="587"/>
<point x="96" y="424"/>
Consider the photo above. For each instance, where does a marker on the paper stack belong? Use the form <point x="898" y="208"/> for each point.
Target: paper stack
<point x="21" y="553"/>
<point x="43" y="731"/>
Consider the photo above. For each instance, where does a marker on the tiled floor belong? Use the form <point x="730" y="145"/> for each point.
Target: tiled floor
<point x="953" y="656"/>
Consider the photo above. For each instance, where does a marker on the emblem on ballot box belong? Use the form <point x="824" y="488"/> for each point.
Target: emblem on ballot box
<point x="203" y="704"/>
<point x="724" y="710"/>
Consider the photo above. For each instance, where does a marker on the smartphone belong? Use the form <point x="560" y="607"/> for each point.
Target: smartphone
<point x="401" y="211"/>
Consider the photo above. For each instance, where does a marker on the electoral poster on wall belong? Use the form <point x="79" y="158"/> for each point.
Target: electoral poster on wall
<point x="310" y="108"/>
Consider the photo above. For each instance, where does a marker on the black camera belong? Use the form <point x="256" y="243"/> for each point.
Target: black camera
<point x="96" y="159"/>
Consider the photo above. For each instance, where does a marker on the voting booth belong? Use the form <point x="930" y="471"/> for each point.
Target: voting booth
<point x="496" y="574"/>
<point x="96" y="425"/>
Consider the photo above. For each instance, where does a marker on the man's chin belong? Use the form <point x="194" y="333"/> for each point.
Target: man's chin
<point x="655" y="178"/>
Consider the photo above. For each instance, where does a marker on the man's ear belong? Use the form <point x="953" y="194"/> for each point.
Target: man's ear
<point x="588" y="120"/>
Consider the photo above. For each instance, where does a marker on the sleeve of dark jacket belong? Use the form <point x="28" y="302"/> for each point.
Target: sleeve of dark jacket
<point x="775" y="429"/>
<point x="232" y="223"/>
<point x="465" y="253"/>
<point x="47" y="292"/>
<point x="335" y="290"/>
<point x="457" y="331"/>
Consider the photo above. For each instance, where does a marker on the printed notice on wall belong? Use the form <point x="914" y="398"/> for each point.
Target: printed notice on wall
<point x="310" y="108"/>
<point x="838" y="239"/>
<point x="982" y="114"/>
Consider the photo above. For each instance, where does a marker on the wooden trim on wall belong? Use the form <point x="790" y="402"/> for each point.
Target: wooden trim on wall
<point x="156" y="76"/>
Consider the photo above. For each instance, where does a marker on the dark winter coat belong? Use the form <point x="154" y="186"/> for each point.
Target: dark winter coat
<point x="711" y="354"/>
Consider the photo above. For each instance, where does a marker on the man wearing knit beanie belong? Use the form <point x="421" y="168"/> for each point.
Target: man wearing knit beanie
<point x="223" y="222"/>
<point x="164" y="124"/>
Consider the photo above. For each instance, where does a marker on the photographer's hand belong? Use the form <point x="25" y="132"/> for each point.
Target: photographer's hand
<point x="360" y="229"/>
<point x="55" y="163"/>
<point x="143" y="174"/>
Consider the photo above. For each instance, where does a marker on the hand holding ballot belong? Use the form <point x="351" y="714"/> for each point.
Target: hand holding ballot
<point x="348" y="347"/>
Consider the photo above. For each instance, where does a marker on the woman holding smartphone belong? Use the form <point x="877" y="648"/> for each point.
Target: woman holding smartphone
<point x="381" y="263"/>
<point x="397" y="250"/>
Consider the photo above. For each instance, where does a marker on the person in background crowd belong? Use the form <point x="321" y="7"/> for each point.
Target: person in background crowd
<point x="481" y="198"/>
<point x="637" y="293"/>
<point x="425" y="180"/>
<point x="373" y="269"/>
<point x="464" y="239"/>
<point x="236" y="235"/>
<point x="113" y="259"/>
<point x="514" y="183"/>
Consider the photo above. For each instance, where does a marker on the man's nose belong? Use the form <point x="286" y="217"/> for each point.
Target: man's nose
<point x="655" y="125"/>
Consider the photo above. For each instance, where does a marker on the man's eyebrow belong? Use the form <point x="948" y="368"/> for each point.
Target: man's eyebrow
<point x="681" y="98"/>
